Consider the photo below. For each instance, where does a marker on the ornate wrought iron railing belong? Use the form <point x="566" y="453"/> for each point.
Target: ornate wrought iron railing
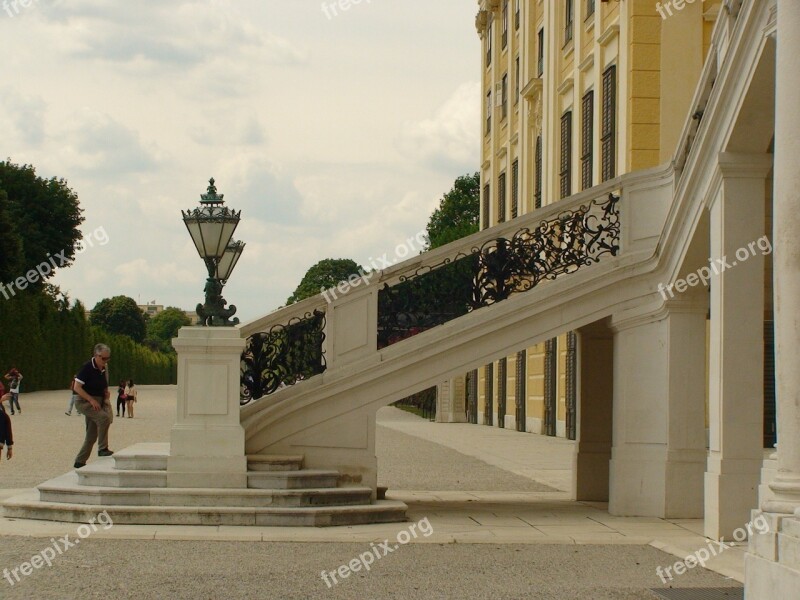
<point x="435" y="294"/>
<point x="282" y="356"/>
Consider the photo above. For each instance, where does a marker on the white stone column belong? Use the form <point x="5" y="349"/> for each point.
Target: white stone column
<point x="736" y="356"/>
<point x="772" y="562"/>
<point x="207" y="439"/>
<point x="658" y="452"/>
<point x="786" y="260"/>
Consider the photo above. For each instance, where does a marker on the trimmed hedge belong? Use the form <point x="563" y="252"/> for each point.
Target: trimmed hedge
<point x="48" y="340"/>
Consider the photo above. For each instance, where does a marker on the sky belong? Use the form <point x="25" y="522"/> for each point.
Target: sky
<point x="334" y="130"/>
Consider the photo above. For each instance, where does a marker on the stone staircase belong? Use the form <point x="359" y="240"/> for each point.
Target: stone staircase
<point x="132" y="487"/>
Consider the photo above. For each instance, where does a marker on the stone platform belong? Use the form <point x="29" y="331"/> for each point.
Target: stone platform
<point x="132" y="488"/>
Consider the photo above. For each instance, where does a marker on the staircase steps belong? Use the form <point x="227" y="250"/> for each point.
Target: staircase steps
<point x="132" y="487"/>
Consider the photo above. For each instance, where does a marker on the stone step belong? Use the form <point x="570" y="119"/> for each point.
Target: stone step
<point x="28" y="506"/>
<point x="104" y="473"/>
<point x="142" y="457"/>
<point x="274" y="462"/>
<point x="292" y="480"/>
<point x="68" y="490"/>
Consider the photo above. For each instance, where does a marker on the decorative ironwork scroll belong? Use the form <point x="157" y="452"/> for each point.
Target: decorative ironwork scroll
<point x="436" y="294"/>
<point x="282" y="356"/>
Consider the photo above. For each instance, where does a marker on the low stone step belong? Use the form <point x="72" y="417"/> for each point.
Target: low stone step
<point x="142" y="457"/>
<point x="68" y="490"/>
<point x="274" y="462"/>
<point x="261" y="498"/>
<point x="28" y="506"/>
<point x="105" y="473"/>
<point x="292" y="480"/>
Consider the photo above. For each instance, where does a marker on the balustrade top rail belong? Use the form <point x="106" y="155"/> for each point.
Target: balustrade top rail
<point x="287" y="346"/>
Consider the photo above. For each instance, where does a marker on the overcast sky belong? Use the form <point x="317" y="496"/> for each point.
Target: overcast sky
<point x="335" y="134"/>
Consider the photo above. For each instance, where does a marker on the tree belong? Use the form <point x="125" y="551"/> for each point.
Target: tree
<point x="11" y="263"/>
<point x="324" y="275"/>
<point x="119" y="315"/>
<point x="457" y="214"/>
<point x="44" y="214"/>
<point x="164" y="326"/>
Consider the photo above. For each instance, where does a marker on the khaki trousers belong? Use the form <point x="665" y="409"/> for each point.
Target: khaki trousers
<point x="97" y="424"/>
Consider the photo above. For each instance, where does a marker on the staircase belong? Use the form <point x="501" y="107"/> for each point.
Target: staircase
<point x="132" y="488"/>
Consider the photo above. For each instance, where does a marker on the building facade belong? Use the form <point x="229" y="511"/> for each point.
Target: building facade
<point x="575" y="93"/>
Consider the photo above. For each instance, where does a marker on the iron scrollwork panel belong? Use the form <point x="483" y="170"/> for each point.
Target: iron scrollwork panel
<point x="484" y="275"/>
<point x="282" y="356"/>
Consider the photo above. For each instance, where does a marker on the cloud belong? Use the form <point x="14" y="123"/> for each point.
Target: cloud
<point x="96" y="144"/>
<point x="26" y="113"/>
<point x="231" y="129"/>
<point x="166" y="35"/>
<point x="451" y="138"/>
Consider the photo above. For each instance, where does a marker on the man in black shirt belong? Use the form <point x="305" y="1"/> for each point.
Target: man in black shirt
<point x="91" y="387"/>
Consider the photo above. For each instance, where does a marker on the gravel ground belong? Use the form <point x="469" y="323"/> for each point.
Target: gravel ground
<point x="47" y="440"/>
<point x="410" y="463"/>
<point x="109" y="569"/>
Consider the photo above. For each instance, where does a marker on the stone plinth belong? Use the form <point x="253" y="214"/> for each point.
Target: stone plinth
<point x="207" y="439"/>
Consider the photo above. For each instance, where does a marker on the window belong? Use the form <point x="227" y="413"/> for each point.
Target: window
<point x="502" y="366"/>
<point x="520" y="390"/>
<point x="608" y="141"/>
<point x="566" y="154"/>
<point x="489" y="28"/>
<point x="515" y="189"/>
<point x="587" y="139"/>
<point x="488" y="112"/>
<point x="505" y="23"/>
<point x="571" y="386"/>
<point x="487" y="198"/>
<point x="516" y="81"/>
<point x="501" y="198"/>
<point x="550" y="385"/>
<point x="537" y="172"/>
<point x="568" y="21"/>
<point x="504" y="96"/>
<point x="589" y="8"/>
<point x="540" y="59"/>
<point x="488" y="393"/>
<point x="516" y="15"/>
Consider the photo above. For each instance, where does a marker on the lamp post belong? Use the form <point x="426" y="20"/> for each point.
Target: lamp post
<point x="211" y="226"/>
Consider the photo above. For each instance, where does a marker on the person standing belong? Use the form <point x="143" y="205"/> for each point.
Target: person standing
<point x="73" y="397"/>
<point x="121" y="397"/>
<point x="131" y="394"/>
<point x="15" y="377"/>
<point x="6" y="437"/>
<point x="91" y="385"/>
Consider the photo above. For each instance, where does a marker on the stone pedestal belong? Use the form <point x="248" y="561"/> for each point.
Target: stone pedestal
<point x="451" y="400"/>
<point x="736" y="381"/>
<point x="207" y="439"/>
<point x="658" y="453"/>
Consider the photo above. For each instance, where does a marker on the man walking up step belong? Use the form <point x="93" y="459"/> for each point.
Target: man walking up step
<point x="91" y="387"/>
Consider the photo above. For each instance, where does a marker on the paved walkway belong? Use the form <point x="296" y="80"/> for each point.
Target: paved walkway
<point x="466" y="512"/>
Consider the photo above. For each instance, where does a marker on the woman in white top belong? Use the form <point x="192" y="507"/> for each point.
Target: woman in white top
<point x="130" y="392"/>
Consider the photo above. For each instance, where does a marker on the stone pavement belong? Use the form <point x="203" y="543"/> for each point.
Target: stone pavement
<point x="446" y="481"/>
